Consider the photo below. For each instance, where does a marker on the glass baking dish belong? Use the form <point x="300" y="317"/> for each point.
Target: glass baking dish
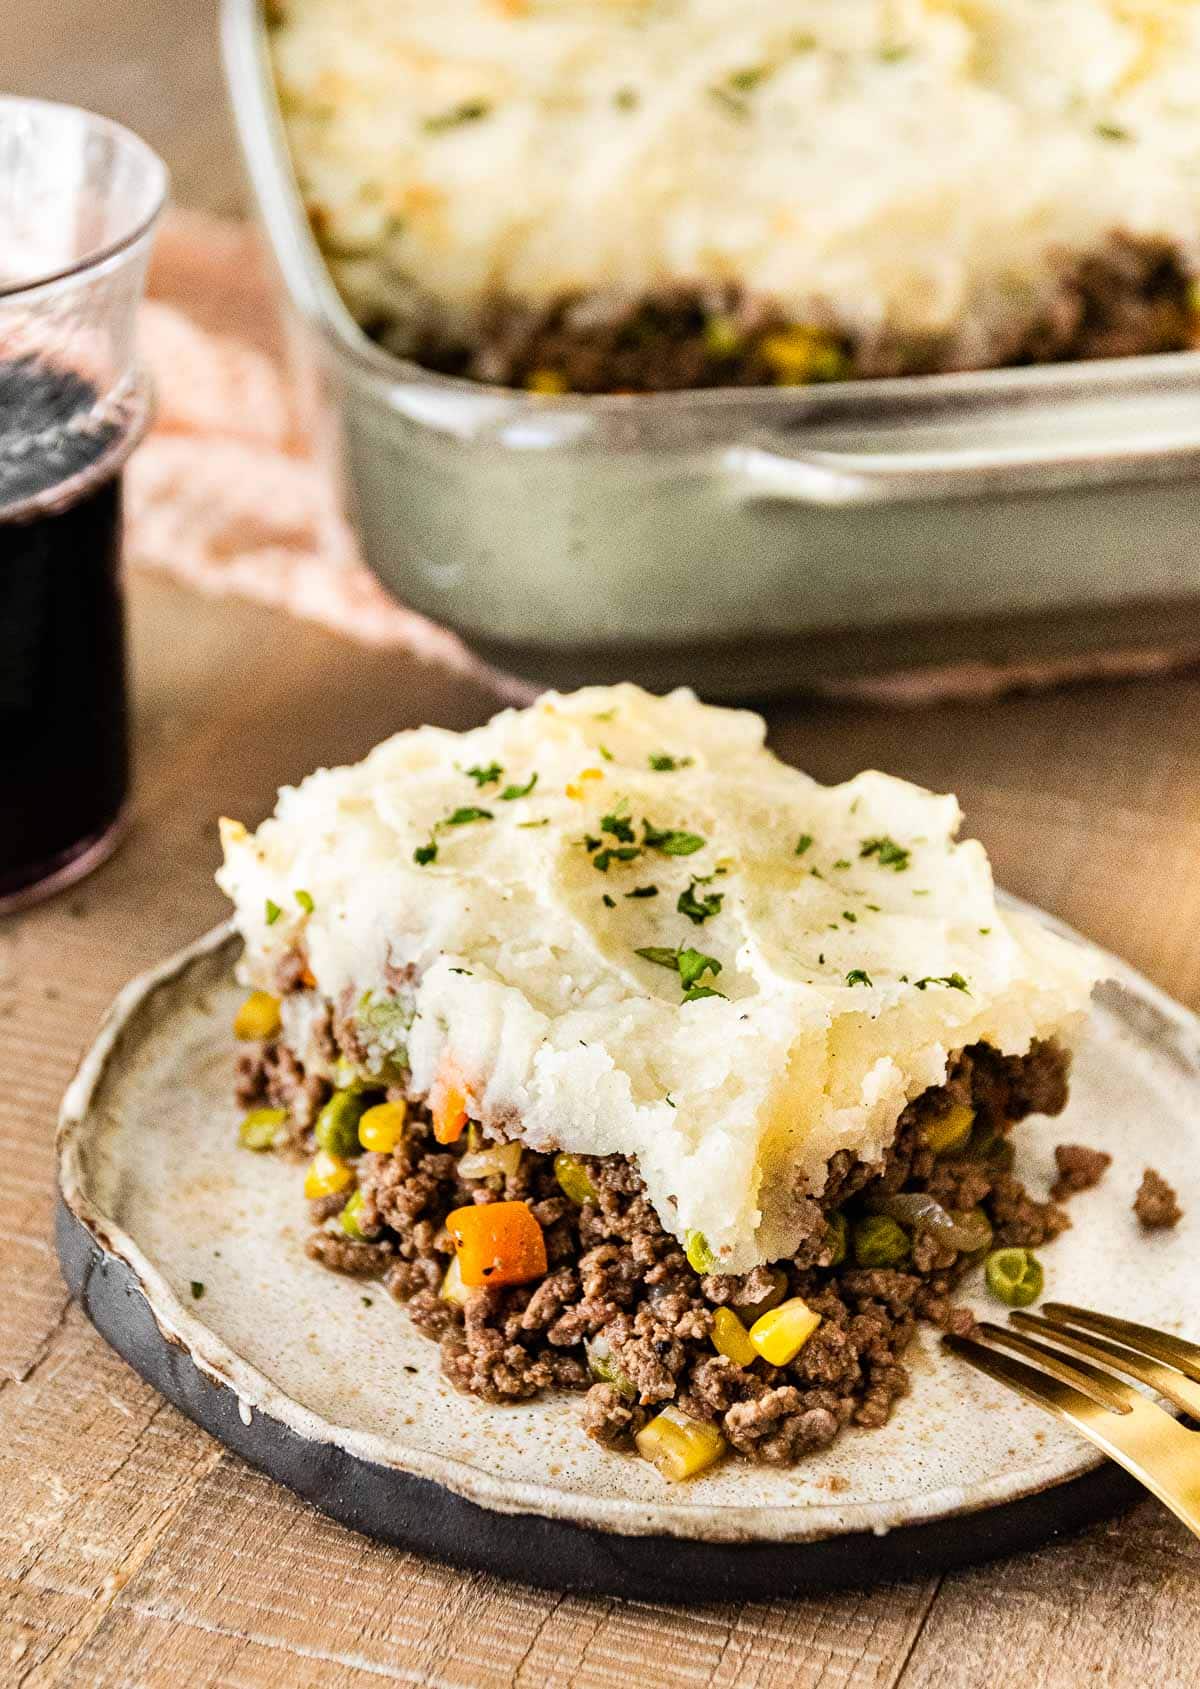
<point x="746" y="540"/>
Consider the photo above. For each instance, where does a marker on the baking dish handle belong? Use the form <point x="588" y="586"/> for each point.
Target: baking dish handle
<point x="894" y="459"/>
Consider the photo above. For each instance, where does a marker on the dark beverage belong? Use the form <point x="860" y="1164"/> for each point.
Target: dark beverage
<point x="64" y="769"/>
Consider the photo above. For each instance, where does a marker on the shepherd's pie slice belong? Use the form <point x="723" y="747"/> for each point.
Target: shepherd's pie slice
<point x="616" y="924"/>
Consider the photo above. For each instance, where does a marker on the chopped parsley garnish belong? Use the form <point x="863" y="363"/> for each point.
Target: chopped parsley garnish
<point x="699" y="909"/>
<point x="858" y="976"/>
<point x="618" y="825"/>
<point x="485" y="775"/>
<point x="803" y="843"/>
<point x="849" y="915"/>
<point x="605" y="715"/>
<point x="661" y="763"/>
<point x="744" y="80"/>
<point x="511" y="792"/>
<point x="643" y="891"/>
<point x="955" y="982"/>
<point x="671" y="841"/>
<point x="1112" y="132"/>
<point x="625" y="99"/>
<point x="273" y="912"/>
<point x="304" y="899"/>
<point x="731" y="101"/>
<point x="470" y="111"/>
<point x="605" y="752"/>
<point x="892" y="55"/>
<point x="544" y="822"/>
<point x="874" y="908"/>
<point x="609" y="902"/>
<point x="690" y="965"/>
<point x="197" y="1290"/>
<point x="889" y="853"/>
<point x="983" y="931"/>
<point x="426" y="853"/>
<point x="842" y="862"/>
<point x="466" y="971"/>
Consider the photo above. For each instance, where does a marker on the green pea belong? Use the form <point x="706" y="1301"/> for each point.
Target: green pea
<point x="1015" y="1276"/>
<point x="260" y="1127"/>
<point x="880" y="1241"/>
<point x="837" y="1237"/>
<point x="337" y="1124"/>
<point x="350" y="1217"/>
<point x="572" y="1175"/>
<point x="700" y="1257"/>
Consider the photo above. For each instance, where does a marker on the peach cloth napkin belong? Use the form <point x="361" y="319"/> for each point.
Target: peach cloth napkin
<point x="227" y="494"/>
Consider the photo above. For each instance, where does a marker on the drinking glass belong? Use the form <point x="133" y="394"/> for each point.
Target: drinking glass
<point x="79" y="198"/>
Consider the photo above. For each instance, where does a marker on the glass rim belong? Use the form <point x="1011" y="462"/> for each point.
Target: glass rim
<point x="99" y="255"/>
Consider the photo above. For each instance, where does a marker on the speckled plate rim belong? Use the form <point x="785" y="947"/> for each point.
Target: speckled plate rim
<point x="256" y="1394"/>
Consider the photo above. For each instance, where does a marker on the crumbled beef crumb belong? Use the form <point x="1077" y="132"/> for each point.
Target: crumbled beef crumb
<point x="614" y="1272"/>
<point x="1156" y="1204"/>
<point x="1079" y="1168"/>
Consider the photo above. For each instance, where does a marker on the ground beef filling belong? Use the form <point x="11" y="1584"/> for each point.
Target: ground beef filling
<point x="614" y="1275"/>
<point x="1134" y="296"/>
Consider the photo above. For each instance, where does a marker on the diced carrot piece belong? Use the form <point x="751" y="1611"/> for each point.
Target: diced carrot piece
<point x="497" y="1243"/>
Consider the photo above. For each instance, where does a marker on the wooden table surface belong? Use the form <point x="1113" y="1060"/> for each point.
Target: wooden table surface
<point x="133" y="1549"/>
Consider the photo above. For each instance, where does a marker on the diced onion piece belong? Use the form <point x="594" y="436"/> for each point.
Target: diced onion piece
<point x="680" y="1447"/>
<point x="921" y="1212"/>
<point x="258" y="1017"/>
<point x="497" y="1243"/>
<point x="327" y="1174"/>
<point x="382" y="1128"/>
<point x="780" y="1335"/>
<point x="700" y="1257"/>
<point x="574" y="1179"/>
<point x="602" y="1365"/>
<point x="260" y="1127"/>
<point x="453" y="1289"/>
<point x="484" y="1163"/>
<point x="731" y="1339"/>
<point x="950" y="1131"/>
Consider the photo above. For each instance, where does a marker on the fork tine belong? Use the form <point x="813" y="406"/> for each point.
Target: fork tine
<point x="1162" y="1379"/>
<point x="1110" y="1392"/>
<point x="1161" y="1345"/>
<point x="1068" y="1403"/>
<point x="1158" y="1451"/>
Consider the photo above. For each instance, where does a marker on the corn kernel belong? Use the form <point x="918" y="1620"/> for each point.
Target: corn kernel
<point x="382" y="1127"/>
<point x="258" y="1016"/>
<point x="780" y="1335"/>
<point x="951" y="1131"/>
<point x="546" y="381"/>
<point x="678" y="1446"/>
<point x="731" y="1339"/>
<point x="798" y="355"/>
<point x="327" y="1174"/>
<point x="453" y="1289"/>
<point x="260" y="1127"/>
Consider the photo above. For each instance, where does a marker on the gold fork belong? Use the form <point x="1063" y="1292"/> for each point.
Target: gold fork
<point x="1132" y="1430"/>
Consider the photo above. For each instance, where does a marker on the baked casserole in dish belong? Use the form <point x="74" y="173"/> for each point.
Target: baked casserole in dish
<point x="640" y="195"/>
<point x="529" y="214"/>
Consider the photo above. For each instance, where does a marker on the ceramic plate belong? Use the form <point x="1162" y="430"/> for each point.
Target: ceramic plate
<point x="322" y="1381"/>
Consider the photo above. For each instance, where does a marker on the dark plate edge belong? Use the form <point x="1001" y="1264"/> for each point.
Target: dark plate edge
<point x="417" y="1514"/>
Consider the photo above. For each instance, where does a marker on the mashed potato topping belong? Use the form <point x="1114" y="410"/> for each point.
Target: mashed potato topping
<point x="889" y="167"/>
<point x="620" y="925"/>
